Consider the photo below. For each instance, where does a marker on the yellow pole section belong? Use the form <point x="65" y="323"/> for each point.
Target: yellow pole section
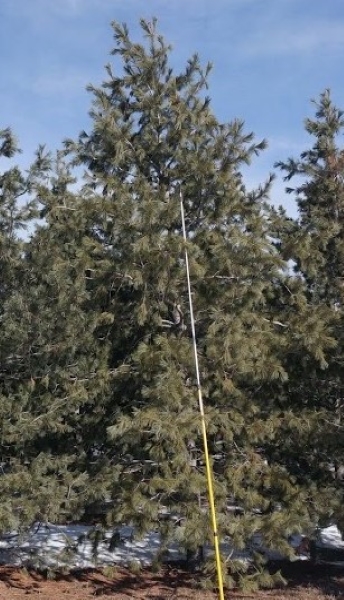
<point x="209" y="471"/>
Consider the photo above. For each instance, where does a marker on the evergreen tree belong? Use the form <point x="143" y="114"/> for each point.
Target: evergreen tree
<point x="315" y="244"/>
<point x="53" y="360"/>
<point x="15" y="213"/>
<point x="154" y="135"/>
<point x="12" y="217"/>
<point x="98" y="394"/>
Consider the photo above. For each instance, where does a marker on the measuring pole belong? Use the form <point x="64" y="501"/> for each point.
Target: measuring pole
<point x="209" y="471"/>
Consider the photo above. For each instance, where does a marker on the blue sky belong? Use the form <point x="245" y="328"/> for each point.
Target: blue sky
<point x="270" y="58"/>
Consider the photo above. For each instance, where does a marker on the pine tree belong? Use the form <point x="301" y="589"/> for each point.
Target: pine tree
<point x="315" y="244"/>
<point x="154" y="135"/>
<point x="15" y="213"/>
<point x="53" y="356"/>
<point x="12" y="217"/>
<point x="97" y="381"/>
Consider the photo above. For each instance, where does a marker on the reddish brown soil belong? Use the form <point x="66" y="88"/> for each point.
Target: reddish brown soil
<point x="170" y="584"/>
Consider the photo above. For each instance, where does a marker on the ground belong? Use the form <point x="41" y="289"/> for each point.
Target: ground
<point x="305" y="583"/>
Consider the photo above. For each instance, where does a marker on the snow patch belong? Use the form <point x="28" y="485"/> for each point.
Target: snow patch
<point x="47" y="545"/>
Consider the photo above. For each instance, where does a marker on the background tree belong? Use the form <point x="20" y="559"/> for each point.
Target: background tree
<point x="15" y="214"/>
<point x="314" y="243"/>
<point x="53" y="358"/>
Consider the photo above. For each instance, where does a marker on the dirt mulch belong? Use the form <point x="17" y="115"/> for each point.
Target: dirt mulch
<point x="305" y="583"/>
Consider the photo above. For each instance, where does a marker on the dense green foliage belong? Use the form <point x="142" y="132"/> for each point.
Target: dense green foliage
<point x="315" y="244"/>
<point x="97" y="381"/>
<point x="52" y="368"/>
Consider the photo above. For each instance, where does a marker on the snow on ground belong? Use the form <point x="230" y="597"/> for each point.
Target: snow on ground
<point x="56" y="546"/>
<point x="330" y="537"/>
